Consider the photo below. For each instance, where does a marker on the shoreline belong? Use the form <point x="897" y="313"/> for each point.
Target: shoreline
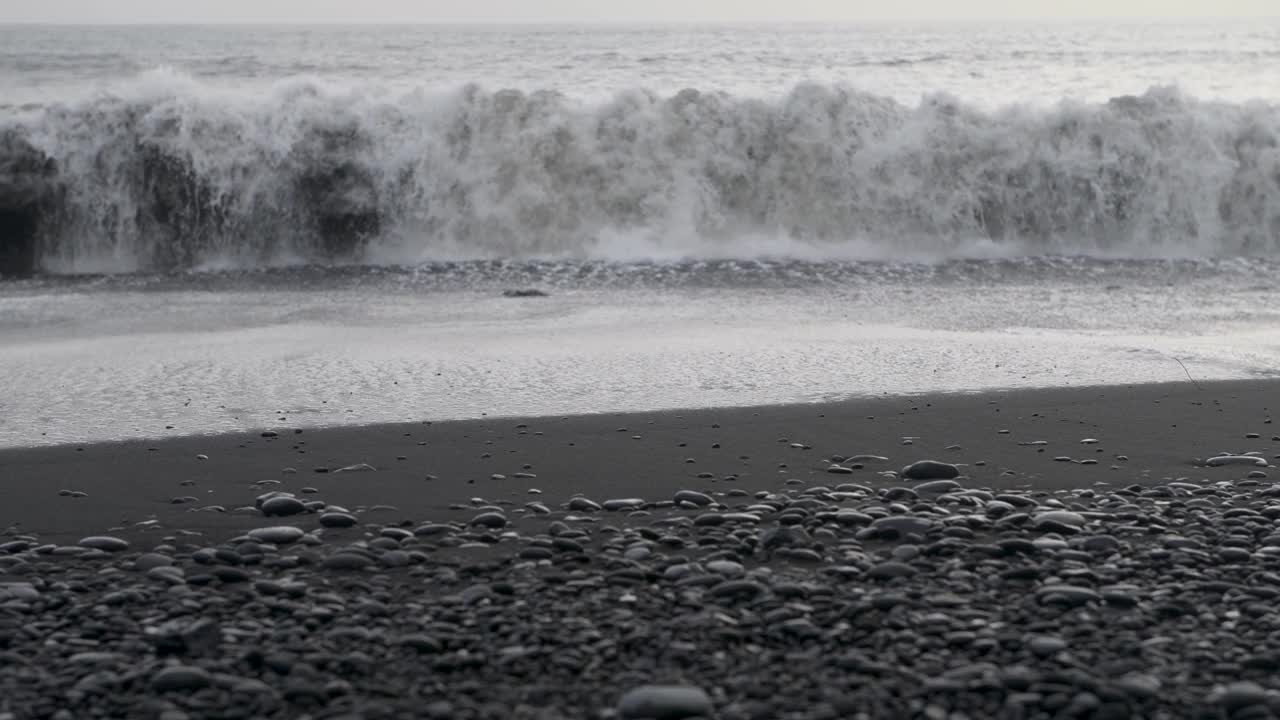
<point x="136" y="480"/>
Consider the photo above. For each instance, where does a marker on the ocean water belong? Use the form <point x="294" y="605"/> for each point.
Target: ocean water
<point x="217" y="228"/>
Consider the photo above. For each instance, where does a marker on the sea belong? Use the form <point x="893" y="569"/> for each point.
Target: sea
<point x="225" y="228"/>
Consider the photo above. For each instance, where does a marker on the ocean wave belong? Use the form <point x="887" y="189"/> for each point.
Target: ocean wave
<point x="169" y="173"/>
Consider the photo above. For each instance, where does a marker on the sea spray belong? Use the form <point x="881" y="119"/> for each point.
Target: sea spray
<point x="171" y="174"/>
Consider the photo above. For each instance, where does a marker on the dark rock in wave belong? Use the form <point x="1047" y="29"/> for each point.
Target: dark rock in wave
<point x="27" y="189"/>
<point x="338" y="191"/>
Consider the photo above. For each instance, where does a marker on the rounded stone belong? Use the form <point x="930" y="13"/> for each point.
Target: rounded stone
<point x="337" y="520"/>
<point x="347" y="561"/>
<point x="693" y="497"/>
<point x="493" y="520"/>
<point x="282" y="505"/>
<point x="181" y="678"/>
<point x="937" y="487"/>
<point x="150" y="561"/>
<point x="665" y="702"/>
<point x="930" y="470"/>
<point x="278" y="535"/>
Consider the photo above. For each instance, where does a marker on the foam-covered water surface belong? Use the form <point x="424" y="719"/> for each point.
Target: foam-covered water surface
<point x="97" y="358"/>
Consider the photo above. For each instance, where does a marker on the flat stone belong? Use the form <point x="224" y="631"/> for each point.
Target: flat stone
<point x="1061" y="517"/>
<point x="901" y="525"/>
<point x="937" y="487"/>
<point x="149" y="561"/>
<point x="106" y="543"/>
<point x="1225" y="460"/>
<point x="493" y="520"/>
<point x="693" y="497"/>
<point x="278" y="535"/>
<point x="181" y="678"/>
<point x="1067" y="595"/>
<point x="337" y="520"/>
<point x="665" y="702"/>
<point x="347" y="561"/>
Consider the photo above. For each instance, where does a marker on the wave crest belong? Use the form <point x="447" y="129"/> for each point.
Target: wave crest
<point x="175" y="175"/>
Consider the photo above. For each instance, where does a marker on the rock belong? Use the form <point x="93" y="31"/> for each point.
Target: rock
<point x="28" y="197"/>
<point x="493" y="520"/>
<point x="524" y="293"/>
<point x="1044" y="645"/>
<point x="336" y="189"/>
<point x="937" y="487"/>
<point x="181" y="678"/>
<point x="1238" y="695"/>
<point x="278" y="535"/>
<point x="337" y="520"/>
<point x="889" y="570"/>
<point x="347" y="561"/>
<point x="149" y="561"/>
<point x="665" y="702"/>
<point x="1225" y="460"/>
<point x="106" y="543"/>
<point x="282" y="505"/>
<point x="1070" y="595"/>
<point x="179" y="637"/>
<point x="930" y="470"/>
<point x="900" y="525"/>
<point x="1059" y="517"/>
<point x="693" y="497"/>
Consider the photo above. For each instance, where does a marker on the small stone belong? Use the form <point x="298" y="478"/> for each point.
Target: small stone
<point x="1045" y="645"/>
<point x="890" y="570"/>
<point x="282" y="505"/>
<point x="106" y="543"/>
<point x="930" y="470"/>
<point x="937" y="487"/>
<point x="693" y="497"/>
<point x="665" y="702"/>
<point x="1238" y="695"/>
<point x="279" y="535"/>
<point x="1225" y="460"/>
<point x="347" y="561"/>
<point x="337" y="520"/>
<point x="493" y="520"/>
<point x="149" y="561"/>
<point x="181" y="678"/>
<point x="1071" y="595"/>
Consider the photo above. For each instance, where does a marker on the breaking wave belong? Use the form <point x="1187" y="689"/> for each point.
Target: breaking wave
<point x="171" y="174"/>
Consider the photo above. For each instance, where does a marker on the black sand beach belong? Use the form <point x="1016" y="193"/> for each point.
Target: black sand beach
<point x="1085" y="562"/>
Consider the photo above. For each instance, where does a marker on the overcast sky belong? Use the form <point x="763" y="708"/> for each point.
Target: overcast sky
<point x="99" y="11"/>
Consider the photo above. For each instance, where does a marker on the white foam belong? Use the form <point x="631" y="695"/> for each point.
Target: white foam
<point x="821" y="172"/>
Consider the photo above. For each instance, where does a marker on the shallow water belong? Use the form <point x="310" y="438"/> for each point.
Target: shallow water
<point x="113" y="357"/>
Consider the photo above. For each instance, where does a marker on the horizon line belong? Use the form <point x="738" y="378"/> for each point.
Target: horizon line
<point x="631" y="21"/>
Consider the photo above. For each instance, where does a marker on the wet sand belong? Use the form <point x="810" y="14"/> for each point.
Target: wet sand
<point x="422" y="469"/>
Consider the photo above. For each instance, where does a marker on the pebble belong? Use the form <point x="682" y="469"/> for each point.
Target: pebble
<point x="930" y="470"/>
<point x="106" y="543"/>
<point x="693" y="497"/>
<point x="1226" y="460"/>
<point x="181" y="678"/>
<point x="347" y="561"/>
<point x="278" y="535"/>
<point x="281" y="506"/>
<point x="337" y="520"/>
<point x="665" y="702"/>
